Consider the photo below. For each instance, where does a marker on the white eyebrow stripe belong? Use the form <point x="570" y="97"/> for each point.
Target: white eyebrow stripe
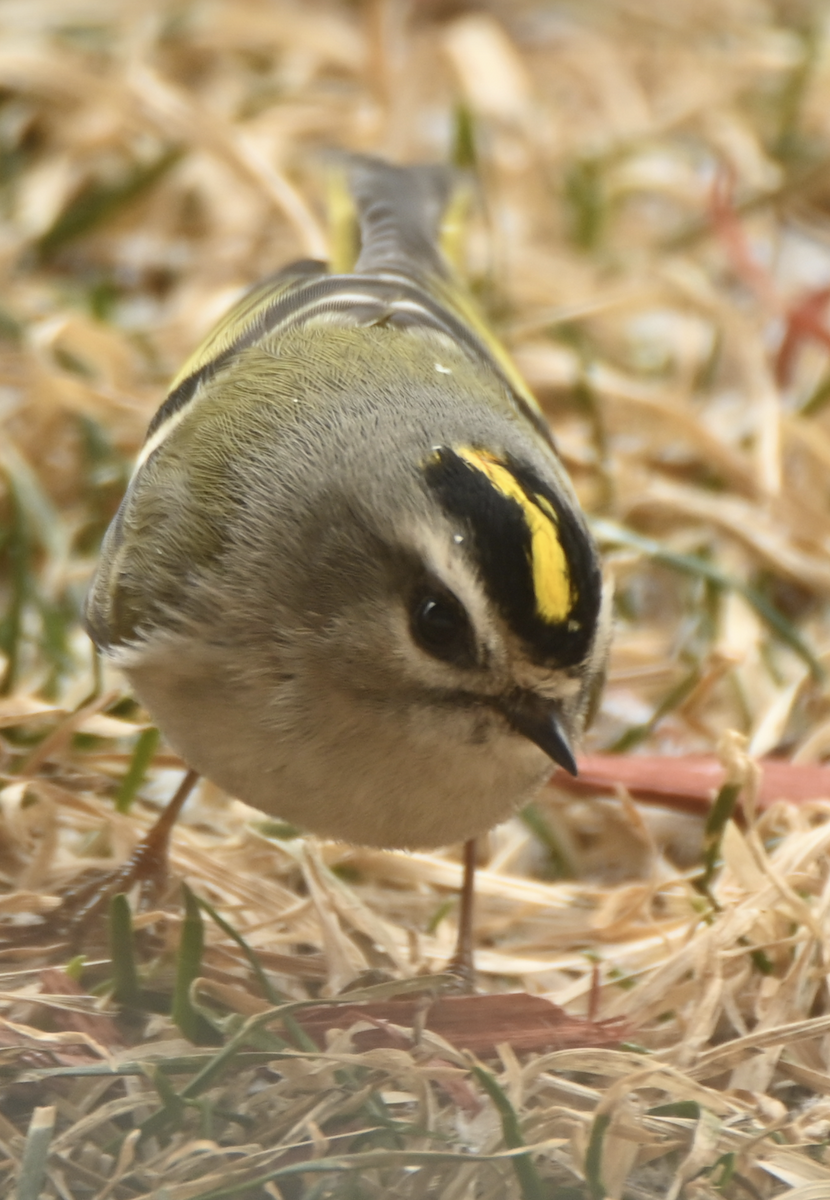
<point x="291" y="303"/>
<point x="307" y="310"/>
<point x="155" y="440"/>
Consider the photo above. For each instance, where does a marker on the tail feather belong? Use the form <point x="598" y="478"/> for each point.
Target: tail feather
<point x="399" y="212"/>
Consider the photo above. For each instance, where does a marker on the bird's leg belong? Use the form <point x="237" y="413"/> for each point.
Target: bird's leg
<point x="462" y="964"/>
<point x="148" y="861"/>
<point x="150" y="855"/>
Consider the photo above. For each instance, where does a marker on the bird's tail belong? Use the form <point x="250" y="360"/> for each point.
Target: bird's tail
<point x="387" y="218"/>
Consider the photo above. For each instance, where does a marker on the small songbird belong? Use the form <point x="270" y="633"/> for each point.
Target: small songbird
<point x="350" y="579"/>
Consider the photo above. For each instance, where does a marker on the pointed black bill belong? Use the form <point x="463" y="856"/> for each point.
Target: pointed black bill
<point x="537" y="719"/>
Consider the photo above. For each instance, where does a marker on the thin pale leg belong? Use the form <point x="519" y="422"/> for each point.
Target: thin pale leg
<point x="462" y="963"/>
<point x="148" y="861"/>
<point x="150" y="855"/>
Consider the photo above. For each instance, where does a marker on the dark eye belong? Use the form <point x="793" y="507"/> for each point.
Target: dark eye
<point x="440" y="626"/>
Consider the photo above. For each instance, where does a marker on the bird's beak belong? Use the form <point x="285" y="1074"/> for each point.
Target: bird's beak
<point x="537" y="719"/>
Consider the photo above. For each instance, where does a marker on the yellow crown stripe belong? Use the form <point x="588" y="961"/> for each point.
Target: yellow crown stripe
<point x="344" y="235"/>
<point x="551" y="574"/>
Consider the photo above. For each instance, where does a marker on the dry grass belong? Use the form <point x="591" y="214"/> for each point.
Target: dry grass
<point x="655" y="247"/>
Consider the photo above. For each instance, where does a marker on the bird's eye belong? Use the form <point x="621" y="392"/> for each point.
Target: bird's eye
<point x="440" y="625"/>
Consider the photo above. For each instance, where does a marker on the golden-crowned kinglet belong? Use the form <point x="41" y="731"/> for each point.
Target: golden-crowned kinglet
<point x="350" y="579"/>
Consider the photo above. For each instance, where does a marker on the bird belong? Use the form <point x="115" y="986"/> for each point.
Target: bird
<point x="350" y="579"/>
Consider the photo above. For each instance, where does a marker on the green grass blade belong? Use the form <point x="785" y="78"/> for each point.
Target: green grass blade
<point x="18" y="553"/>
<point x="189" y="967"/>
<point x="675" y="697"/>
<point x="719" y="814"/>
<point x="297" y="1034"/>
<point x="145" y="749"/>
<point x="172" y="1106"/>
<point x="270" y="993"/>
<point x="126" y="989"/>
<point x="593" y="1156"/>
<point x="690" y="564"/>
<point x="361" y="1161"/>
<point x="98" y="202"/>
<point x="36" y="1153"/>
<point x="560" y="865"/>
<point x="530" y="1183"/>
